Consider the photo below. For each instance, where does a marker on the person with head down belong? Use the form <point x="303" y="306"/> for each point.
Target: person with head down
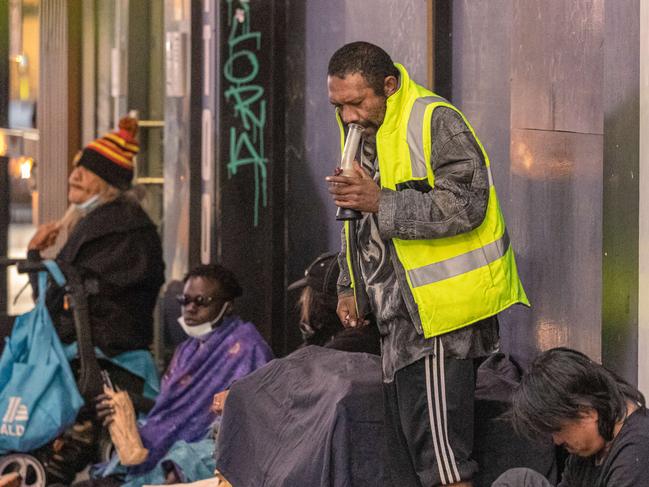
<point x="596" y="416"/>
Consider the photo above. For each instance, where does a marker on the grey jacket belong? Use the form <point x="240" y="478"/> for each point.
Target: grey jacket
<point x="455" y="205"/>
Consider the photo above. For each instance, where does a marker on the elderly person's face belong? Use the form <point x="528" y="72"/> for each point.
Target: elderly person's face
<point x="203" y="300"/>
<point x="83" y="184"/>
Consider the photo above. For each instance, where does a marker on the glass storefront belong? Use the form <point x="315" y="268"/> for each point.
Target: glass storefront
<point x="133" y="28"/>
<point x="18" y="140"/>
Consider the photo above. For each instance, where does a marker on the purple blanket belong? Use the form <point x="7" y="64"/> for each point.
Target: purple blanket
<point x="199" y="369"/>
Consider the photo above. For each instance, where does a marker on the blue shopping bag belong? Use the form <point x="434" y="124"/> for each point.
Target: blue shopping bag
<point x="38" y="394"/>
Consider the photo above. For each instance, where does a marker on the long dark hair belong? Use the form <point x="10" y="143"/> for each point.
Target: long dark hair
<point x="561" y="385"/>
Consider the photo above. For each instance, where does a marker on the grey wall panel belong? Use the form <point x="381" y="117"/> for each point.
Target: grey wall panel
<point x="556" y="184"/>
<point x="315" y="31"/>
<point x="481" y="79"/>
<point x="481" y="89"/>
<point x="556" y="180"/>
<point x="176" y="194"/>
<point x="177" y="148"/>
<point x="527" y="73"/>
<point x="57" y="135"/>
<point x="311" y="151"/>
<point x="398" y="27"/>
<point x="105" y="33"/>
<point x="557" y="65"/>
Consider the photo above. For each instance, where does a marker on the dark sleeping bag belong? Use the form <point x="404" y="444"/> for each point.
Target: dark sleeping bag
<point x="313" y="418"/>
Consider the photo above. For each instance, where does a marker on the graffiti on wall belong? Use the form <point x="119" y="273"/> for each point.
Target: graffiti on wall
<point x="244" y="95"/>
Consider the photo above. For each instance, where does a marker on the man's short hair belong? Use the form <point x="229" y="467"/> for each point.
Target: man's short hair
<point x="561" y="385"/>
<point x="225" y="277"/>
<point x="372" y="62"/>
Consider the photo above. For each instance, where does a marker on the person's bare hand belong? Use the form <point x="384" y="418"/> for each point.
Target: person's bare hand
<point x="358" y="193"/>
<point x="171" y="477"/>
<point x="218" y="402"/>
<point x="105" y="409"/>
<point x="45" y="236"/>
<point x="346" y="311"/>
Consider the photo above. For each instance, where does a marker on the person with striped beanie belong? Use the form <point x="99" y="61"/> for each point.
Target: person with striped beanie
<point x="111" y="157"/>
<point x="109" y="240"/>
<point x="102" y="171"/>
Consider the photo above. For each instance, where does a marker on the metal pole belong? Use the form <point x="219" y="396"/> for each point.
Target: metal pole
<point x="4" y="161"/>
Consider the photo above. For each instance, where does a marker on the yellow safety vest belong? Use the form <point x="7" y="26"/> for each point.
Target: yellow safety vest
<point x="455" y="281"/>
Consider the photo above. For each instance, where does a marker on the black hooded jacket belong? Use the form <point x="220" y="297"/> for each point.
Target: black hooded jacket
<point x="118" y="246"/>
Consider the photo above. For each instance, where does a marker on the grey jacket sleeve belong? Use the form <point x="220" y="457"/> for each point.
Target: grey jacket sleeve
<point x="458" y="201"/>
<point x="344" y="278"/>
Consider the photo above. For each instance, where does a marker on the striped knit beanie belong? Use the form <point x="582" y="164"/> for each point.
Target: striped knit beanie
<point x="111" y="156"/>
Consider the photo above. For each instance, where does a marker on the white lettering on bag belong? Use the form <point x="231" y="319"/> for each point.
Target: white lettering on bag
<point x="15" y="412"/>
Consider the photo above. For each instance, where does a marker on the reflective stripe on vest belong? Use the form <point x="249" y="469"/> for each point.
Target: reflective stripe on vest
<point x="460" y="264"/>
<point x="415" y="129"/>
<point x="416" y="141"/>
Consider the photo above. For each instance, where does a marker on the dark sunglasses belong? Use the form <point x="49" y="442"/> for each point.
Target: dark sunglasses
<point x="199" y="300"/>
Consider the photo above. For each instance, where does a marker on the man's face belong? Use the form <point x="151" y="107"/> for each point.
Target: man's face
<point x="206" y="300"/>
<point x="82" y="185"/>
<point x="357" y="102"/>
<point x="580" y="436"/>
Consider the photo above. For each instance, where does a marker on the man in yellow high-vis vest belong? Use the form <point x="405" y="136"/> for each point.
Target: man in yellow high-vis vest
<point x="430" y="259"/>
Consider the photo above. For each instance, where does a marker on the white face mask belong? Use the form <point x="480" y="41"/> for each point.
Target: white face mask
<point x="89" y="205"/>
<point x="203" y="329"/>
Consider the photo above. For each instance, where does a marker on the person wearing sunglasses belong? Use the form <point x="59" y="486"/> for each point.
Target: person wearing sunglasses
<point x="220" y="348"/>
<point x="205" y="301"/>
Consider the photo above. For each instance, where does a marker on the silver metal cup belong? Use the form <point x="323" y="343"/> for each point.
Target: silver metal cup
<point x="350" y="149"/>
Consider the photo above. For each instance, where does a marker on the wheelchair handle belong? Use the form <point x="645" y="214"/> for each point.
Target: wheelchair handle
<point x="23" y="266"/>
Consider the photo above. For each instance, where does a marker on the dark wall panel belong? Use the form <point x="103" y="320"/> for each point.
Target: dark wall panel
<point x="621" y="187"/>
<point x="250" y="168"/>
